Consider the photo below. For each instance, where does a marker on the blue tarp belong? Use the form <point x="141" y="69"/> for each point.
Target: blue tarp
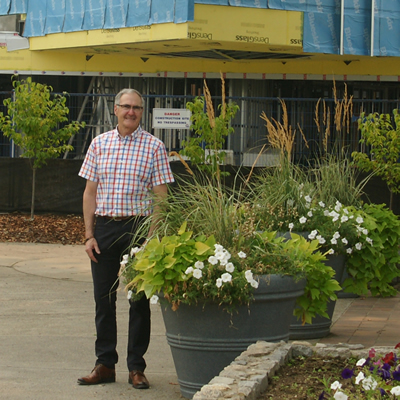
<point x="294" y="5"/>
<point x="55" y="16"/>
<point x="19" y="6"/>
<point x="249" y="3"/>
<point x="35" y="18"/>
<point x="4" y="6"/>
<point x="74" y="13"/>
<point x="138" y="13"/>
<point x="116" y="14"/>
<point x="387" y="28"/>
<point x="162" y="11"/>
<point x="95" y="12"/>
<point x="184" y="11"/>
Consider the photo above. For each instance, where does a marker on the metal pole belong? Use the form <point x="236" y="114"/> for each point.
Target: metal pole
<point x="341" y="50"/>
<point x="372" y="26"/>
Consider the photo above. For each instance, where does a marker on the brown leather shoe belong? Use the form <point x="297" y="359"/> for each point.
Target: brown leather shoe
<point x="138" y="380"/>
<point x="99" y="374"/>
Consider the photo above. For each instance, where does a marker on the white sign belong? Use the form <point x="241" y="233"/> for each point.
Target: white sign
<point x="171" y="118"/>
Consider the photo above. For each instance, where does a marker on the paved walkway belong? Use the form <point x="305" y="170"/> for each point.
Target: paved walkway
<point x="47" y="329"/>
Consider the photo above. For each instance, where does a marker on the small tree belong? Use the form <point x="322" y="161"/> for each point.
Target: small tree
<point x="204" y="148"/>
<point x="378" y="131"/>
<point x="34" y="123"/>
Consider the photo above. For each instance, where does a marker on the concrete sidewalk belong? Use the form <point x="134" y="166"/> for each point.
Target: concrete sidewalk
<point x="47" y="329"/>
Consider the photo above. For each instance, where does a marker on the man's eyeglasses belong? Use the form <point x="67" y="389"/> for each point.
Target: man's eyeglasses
<point x="127" y="107"/>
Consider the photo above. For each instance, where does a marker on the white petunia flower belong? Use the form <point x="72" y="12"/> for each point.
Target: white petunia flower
<point x="359" y="377"/>
<point x="395" y="391"/>
<point x="254" y="283"/>
<point x="321" y="204"/>
<point x="199" y="265"/>
<point x="321" y="240"/>
<point x="349" y="250"/>
<point x="135" y="250"/>
<point x="333" y="241"/>
<point x="125" y="259"/>
<point x="307" y="199"/>
<point x="154" y="299"/>
<point x="213" y="260"/>
<point x="344" y="218"/>
<point x="340" y="396"/>
<point x="226" y="277"/>
<point x="312" y="234"/>
<point x="189" y="270"/>
<point x="338" y="208"/>
<point x="303" y="220"/>
<point x="229" y="267"/>
<point x="336" y="235"/>
<point x="359" y="220"/>
<point x="242" y="255"/>
<point x="218" y="283"/>
<point x="336" y="385"/>
<point x="331" y="251"/>
<point x="345" y="241"/>
<point x="361" y="362"/>
<point x="345" y="210"/>
<point x="369" y="383"/>
<point x="365" y="231"/>
<point x="218" y="247"/>
<point x="291" y="226"/>
<point x="248" y="275"/>
<point x="197" y="273"/>
<point x="219" y="255"/>
<point x="369" y="240"/>
<point x="309" y="214"/>
<point x="326" y="213"/>
<point x="358" y="246"/>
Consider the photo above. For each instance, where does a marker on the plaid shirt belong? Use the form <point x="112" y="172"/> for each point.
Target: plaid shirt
<point x="126" y="169"/>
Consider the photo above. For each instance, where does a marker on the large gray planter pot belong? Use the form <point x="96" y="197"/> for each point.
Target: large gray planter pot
<point x="320" y="326"/>
<point x="204" y="338"/>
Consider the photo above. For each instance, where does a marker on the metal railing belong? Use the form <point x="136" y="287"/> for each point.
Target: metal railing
<point x="315" y="131"/>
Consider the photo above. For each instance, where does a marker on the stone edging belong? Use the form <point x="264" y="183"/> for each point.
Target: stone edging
<point x="247" y="376"/>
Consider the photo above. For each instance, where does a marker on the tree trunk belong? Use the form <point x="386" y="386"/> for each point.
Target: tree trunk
<point x="33" y="193"/>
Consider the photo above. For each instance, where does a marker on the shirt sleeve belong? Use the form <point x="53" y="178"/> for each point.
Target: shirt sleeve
<point x="89" y="167"/>
<point x="162" y="173"/>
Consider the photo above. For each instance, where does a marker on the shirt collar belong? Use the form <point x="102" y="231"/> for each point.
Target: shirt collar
<point x="132" y="136"/>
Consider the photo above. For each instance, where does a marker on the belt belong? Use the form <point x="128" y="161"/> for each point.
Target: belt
<point x="116" y="218"/>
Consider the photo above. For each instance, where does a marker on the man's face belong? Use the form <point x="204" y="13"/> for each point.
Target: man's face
<point x="128" y="118"/>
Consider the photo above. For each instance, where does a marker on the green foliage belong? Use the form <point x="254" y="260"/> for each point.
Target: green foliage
<point x="34" y="119"/>
<point x="210" y="132"/>
<point x="378" y="131"/>
<point x="225" y="217"/>
<point x="36" y="122"/>
<point x="375" y="267"/>
<point x="336" y="179"/>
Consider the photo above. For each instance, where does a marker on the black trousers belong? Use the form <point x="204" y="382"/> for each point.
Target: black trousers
<point x="114" y="238"/>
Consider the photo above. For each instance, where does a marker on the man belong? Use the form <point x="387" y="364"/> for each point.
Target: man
<point x="125" y="168"/>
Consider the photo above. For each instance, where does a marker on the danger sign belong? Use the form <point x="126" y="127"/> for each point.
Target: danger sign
<point x="171" y="118"/>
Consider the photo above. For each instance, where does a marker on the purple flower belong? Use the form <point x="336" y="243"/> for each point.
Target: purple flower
<point x="396" y="375"/>
<point x="383" y="393"/>
<point x="384" y="372"/>
<point x="347" y="373"/>
<point x="321" y="396"/>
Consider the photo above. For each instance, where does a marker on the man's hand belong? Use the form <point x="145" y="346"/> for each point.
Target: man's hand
<point x="91" y="245"/>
